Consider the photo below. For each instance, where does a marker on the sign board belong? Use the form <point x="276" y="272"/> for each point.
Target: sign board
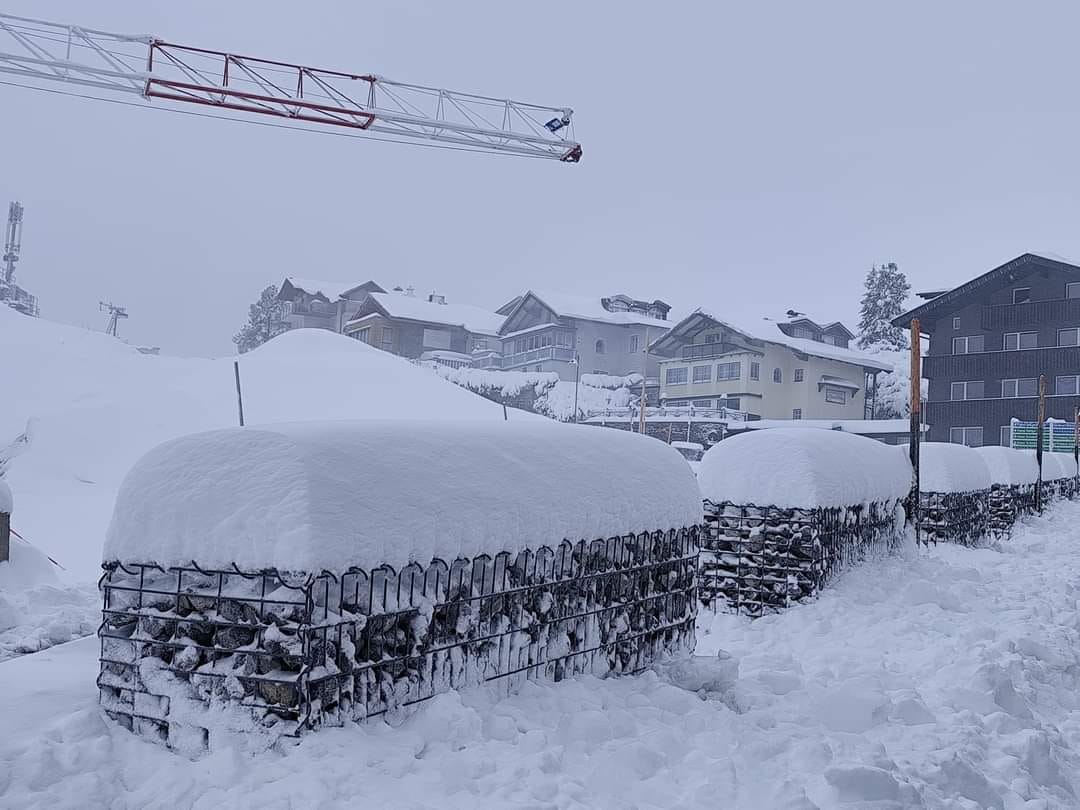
<point x="1058" y="436"/>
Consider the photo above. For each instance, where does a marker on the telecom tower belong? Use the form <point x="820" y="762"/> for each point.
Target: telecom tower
<point x="11" y="293"/>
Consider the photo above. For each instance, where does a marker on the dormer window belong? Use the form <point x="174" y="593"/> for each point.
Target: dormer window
<point x="802" y="332"/>
<point x="1021" y="295"/>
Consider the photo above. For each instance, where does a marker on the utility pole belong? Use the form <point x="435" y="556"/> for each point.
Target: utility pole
<point x="1039" y="442"/>
<point x="577" y="381"/>
<point x="115" y="314"/>
<point x="644" y="371"/>
<point x="916" y="422"/>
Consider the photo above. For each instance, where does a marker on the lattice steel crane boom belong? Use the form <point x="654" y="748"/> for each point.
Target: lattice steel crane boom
<point x="155" y="69"/>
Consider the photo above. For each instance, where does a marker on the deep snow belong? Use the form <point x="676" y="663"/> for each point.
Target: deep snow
<point x="945" y="678"/>
<point x="310" y="496"/>
<point x="946" y="467"/>
<point x="1008" y="466"/>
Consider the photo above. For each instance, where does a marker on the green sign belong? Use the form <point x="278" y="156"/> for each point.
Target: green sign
<point x="1058" y="436"/>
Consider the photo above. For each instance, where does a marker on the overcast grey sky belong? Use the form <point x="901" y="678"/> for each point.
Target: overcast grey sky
<point x="748" y="157"/>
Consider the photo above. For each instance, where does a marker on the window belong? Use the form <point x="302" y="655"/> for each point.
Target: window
<point x="564" y="339"/>
<point x="799" y="375"/>
<point x="675" y="376"/>
<point x="971" y="436"/>
<point x="634" y="344"/>
<point x="712" y="338"/>
<point x="967" y="345"/>
<point x="1021" y="295"/>
<point x="317" y="306"/>
<point x="1068" y="337"/>
<point x="835" y="395"/>
<point x="956" y="323"/>
<point x="967" y="390"/>
<point x="1072" y="290"/>
<point x="702" y="403"/>
<point x="796" y="413"/>
<point x="436" y="339"/>
<point x="702" y="374"/>
<point x="1066" y="385"/>
<point x="731" y="403"/>
<point x="728" y="371"/>
<point x="755" y="371"/>
<point x="387" y="338"/>
<point x="1006" y="435"/>
<point x="479" y="344"/>
<point x="802" y="332"/>
<point x="829" y="339"/>
<point x="1027" y="387"/>
<point x="599" y="347"/>
<point x="1021" y="340"/>
<point x="777" y="375"/>
<point x="364" y="334"/>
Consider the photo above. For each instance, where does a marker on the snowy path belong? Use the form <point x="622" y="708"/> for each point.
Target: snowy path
<point x="945" y="680"/>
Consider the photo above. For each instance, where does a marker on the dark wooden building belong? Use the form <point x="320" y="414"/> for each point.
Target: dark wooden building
<point x="991" y="339"/>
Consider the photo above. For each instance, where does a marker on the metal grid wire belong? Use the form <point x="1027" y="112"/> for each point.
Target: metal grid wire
<point x="301" y="651"/>
<point x="955" y="517"/>
<point x="1007" y="504"/>
<point x="758" y="559"/>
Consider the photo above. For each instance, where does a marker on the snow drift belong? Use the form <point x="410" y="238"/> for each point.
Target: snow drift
<point x="95" y="405"/>
<point x="803" y="467"/>
<point x="1057" y="466"/>
<point x="945" y="467"/>
<point x="326" y="495"/>
<point x="1009" y="467"/>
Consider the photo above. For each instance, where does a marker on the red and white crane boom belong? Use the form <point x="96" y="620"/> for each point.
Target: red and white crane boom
<point x="155" y="69"/>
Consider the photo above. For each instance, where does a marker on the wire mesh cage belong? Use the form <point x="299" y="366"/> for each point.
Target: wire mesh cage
<point x="1007" y="504"/>
<point x="954" y="517"/>
<point x="758" y="559"/>
<point x="291" y="652"/>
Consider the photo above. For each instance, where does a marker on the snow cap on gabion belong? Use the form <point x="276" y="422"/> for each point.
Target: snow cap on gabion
<point x="7" y="502"/>
<point x="1010" y="467"/>
<point x="947" y="467"/>
<point x="327" y="495"/>
<point x="1057" y="466"/>
<point x="803" y="467"/>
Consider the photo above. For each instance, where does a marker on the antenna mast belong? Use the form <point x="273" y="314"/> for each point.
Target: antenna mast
<point x="12" y="241"/>
<point x="115" y="314"/>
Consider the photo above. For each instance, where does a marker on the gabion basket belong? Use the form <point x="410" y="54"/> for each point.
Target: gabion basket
<point x="290" y="652"/>
<point x="1006" y="505"/>
<point x="954" y="517"/>
<point x="759" y="559"/>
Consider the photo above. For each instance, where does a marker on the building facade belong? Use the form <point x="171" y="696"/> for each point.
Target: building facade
<point x="309" y="304"/>
<point x="769" y="372"/>
<point x="545" y="332"/>
<point x="425" y="328"/>
<point x="989" y="342"/>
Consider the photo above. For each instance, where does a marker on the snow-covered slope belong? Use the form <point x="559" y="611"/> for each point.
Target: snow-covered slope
<point x="95" y="405"/>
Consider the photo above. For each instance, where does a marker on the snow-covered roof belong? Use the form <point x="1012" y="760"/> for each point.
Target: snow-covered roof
<point x="473" y="319"/>
<point x="947" y="467"/>
<point x="859" y="426"/>
<point x="770" y="332"/>
<point x="591" y="309"/>
<point x="7" y="503"/>
<point x="803" y="468"/>
<point x="839" y="382"/>
<point x="1008" y="466"/>
<point x="1057" y="466"/>
<point x="331" y="289"/>
<point x="327" y="495"/>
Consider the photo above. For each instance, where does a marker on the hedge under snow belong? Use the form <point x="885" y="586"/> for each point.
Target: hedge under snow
<point x="327" y="495"/>
<point x="804" y="467"/>
<point x="946" y="467"/>
<point x="1009" y="467"/>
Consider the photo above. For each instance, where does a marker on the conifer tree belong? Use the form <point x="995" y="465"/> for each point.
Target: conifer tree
<point x="265" y="320"/>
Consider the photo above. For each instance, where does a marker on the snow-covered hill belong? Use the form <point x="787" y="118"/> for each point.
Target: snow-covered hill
<point x="94" y="405"/>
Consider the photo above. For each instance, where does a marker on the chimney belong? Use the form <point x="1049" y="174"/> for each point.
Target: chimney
<point x="410" y="291"/>
<point x="436" y="299"/>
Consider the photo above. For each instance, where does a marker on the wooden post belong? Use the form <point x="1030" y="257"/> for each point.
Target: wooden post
<point x="239" y="396"/>
<point x="1039" y="442"/>
<point x="915" y="428"/>
<point x="644" y="372"/>
<point x="506" y="416"/>
<point x="5" y="536"/>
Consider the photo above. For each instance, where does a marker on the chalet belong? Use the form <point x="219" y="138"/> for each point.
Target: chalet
<point x="426" y="328"/>
<point x="793" y="370"/>
<point x="310" y="304"/>
<point x="545" y="331"/>
<point x="991" y="338"/>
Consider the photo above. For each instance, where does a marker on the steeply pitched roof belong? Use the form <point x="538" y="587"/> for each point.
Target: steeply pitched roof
<point x="768" y="332"/>
<point x="473" y="319"/>
<point x="586" y="309"/>
<point x="1010" y="270"/>
<point x="331" y="290"/>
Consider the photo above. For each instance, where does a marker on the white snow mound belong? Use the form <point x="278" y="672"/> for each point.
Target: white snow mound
<point x="309" y="496"/>
<point x="946" y="467"/>
<point x="1057" y="466"/>
<point x="803" y="467"/>
<point x="1010" y="467"/>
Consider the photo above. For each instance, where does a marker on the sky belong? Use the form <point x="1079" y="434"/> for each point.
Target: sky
<point x="745" y="157"/>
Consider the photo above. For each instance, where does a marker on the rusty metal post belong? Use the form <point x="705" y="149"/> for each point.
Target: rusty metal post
<point x="5" y="536"/>
<point x="1039" y="432"/>
<point x="915" y="429"/>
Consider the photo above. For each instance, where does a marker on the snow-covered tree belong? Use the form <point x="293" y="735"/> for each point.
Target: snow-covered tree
<point x="886" y="290"/>
<point x="265" y="320"/>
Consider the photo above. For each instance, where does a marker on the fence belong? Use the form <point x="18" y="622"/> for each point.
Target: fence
<point x="1006" y="504"/>
<point x="295" y="653"/>
<point x="957" y="517"/>
<point x="757" y="559"/>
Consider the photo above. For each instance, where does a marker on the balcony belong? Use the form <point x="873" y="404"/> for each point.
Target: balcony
<point x="1051" y="360"/>
<point x="701" y="351"/>
<point x="538" y="355"/>
<point x="1013" y="317"/>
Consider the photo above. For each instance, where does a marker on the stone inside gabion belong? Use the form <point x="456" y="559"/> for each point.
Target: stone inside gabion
<point x="186" y="648"/>
<point x="757" y="559"/>
<point x="954" y="517"/>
